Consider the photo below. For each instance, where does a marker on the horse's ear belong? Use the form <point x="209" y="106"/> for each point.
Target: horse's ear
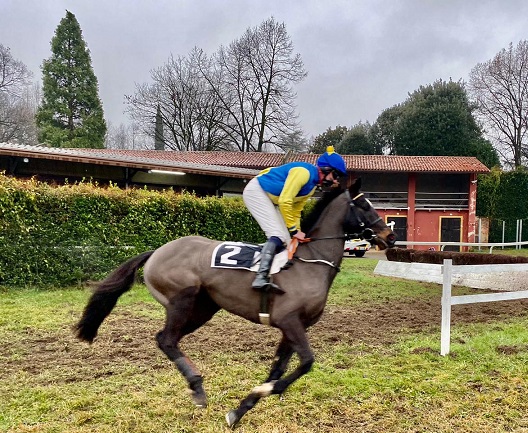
<point x="355" y="186"/>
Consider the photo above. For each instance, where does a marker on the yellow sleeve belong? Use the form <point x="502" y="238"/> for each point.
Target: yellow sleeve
<point x="291" y="211"/>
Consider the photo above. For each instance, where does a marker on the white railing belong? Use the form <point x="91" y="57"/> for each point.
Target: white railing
<point x="441" y="245"/>
<point x="448" y="300"/>
<point x="423" y="200"/>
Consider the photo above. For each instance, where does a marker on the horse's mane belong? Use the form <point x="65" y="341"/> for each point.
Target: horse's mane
<point x="310" y="219"/>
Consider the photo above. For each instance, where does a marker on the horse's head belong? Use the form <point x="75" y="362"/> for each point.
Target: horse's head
<point x="362" y="220"/>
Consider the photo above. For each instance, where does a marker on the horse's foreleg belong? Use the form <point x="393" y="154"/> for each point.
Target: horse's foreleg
<point x="281" y="361"/>
<point x="282" y="358"/>
<point x="295" y="333"/>
<point x="294" y="340"/>
<point x="186" y="313"/>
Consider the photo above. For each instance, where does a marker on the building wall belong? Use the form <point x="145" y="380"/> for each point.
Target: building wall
<point x="420" y="204"/>
<point x="427" y="225"/>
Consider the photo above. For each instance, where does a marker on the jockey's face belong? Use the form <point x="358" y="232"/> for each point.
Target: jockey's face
<point x="328" y="179"/>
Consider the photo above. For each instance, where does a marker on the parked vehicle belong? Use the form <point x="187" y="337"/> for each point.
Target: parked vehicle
<point x="357" y="247"/>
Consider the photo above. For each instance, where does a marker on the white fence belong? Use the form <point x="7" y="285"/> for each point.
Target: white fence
<point x="511" y="279"/>
<point x="448" y="300"/>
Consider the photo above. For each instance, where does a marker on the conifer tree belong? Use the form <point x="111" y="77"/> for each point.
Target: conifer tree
<point x="70" y="114"/>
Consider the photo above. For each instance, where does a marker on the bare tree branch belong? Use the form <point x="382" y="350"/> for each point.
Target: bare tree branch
<point x="500" y="90"/>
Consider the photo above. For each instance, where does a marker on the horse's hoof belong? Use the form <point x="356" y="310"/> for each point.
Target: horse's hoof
<point x="231" y="418"/>
<point x="199" y="398"/>
<point x="265" y="389"/>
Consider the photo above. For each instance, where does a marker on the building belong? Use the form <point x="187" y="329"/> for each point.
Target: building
<point x="428" y="198"/>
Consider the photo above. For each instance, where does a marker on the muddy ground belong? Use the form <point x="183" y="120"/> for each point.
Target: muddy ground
<point x="130" y="338"/>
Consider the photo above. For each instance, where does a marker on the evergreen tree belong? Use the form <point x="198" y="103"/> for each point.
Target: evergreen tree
<point x="159" y="143"/>
<point x="71" y="114"/>
<point x="331" y="137"/>
<point x="359" y="141"/>
<point x="435" y="120"/>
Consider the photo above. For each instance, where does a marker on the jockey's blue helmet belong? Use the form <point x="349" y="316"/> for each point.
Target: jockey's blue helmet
<point x="332" y="160"/>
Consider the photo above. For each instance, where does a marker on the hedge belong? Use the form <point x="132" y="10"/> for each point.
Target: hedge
<point x="56" y="236"/>
<point x="503" y="196"/>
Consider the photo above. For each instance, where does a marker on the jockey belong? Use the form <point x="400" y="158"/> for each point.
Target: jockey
<point x="276" y="197"/>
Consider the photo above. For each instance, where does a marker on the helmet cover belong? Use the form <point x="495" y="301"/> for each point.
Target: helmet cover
<point x="333" y="160"/>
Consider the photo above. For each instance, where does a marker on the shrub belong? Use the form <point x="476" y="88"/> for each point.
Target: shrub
<point x="65" y="235"/>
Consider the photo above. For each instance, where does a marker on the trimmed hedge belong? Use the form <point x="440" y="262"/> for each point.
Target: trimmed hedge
<point x="66" y="235"/>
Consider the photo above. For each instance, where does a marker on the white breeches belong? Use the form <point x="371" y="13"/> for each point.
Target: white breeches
<point x="265" y="212"/>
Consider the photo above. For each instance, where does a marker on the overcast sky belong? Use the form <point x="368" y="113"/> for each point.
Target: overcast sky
<point x="362" y="56"/>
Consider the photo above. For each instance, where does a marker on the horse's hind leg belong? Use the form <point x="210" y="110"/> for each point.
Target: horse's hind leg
<point x="186" y="313"/>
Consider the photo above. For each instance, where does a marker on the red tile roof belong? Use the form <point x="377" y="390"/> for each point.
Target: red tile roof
<point x="244" y="164"/>
<point x="260" y="160"/>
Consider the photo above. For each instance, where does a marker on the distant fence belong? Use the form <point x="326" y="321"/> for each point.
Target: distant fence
<point x="442" y="245"/>
<point x="448" y="300"/>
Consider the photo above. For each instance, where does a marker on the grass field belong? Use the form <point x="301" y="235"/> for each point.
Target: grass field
<point x="377" y="369"/>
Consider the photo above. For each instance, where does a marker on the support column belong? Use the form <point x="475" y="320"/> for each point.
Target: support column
<point x="411" y="205"/>
<point x="472" y="208"/>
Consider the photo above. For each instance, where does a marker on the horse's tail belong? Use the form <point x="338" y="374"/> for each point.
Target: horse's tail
<point x="105" y="296"/>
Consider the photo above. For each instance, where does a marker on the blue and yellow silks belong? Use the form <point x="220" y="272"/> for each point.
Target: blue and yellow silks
<point x="290" y="186"/>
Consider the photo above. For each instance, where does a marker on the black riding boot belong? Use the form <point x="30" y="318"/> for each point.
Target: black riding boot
<point x="262" y="280"/>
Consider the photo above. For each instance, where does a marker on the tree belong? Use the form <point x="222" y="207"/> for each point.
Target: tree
<point x="190" y="111"/>
<point x="261" y="68"/>
<point x="159" y="143"/>
<point x="383" y="131"/>
<point x="500" y="90"/>
<point x="239" y="98"/>
<point x="70" y="114"/>
<point x="17" y="105"/>
<point x="436" y="119"/>
<point x="359" y="141"/>
<point x="128" y="136"/>
<point x="294" y="142"/>
<point x="331" y="137"/>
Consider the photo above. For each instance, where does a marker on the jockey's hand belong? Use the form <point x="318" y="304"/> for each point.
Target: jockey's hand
<point x="299" y="235"/>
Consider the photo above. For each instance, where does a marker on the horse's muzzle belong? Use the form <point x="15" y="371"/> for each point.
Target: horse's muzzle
<point x="384" y="242"/>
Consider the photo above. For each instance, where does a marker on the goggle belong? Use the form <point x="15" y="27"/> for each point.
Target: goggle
<point x="335" y="173"/>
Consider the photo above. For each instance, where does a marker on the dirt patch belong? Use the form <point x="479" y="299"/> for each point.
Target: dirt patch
<point x="125" y="337"/>
<point x="512" y="350"/>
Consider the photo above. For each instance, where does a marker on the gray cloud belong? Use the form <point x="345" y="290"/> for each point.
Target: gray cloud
<point x="361" y="56"/>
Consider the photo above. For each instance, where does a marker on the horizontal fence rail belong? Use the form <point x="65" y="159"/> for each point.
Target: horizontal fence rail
<point x="448" y="300"/>
<point x="423" y="200"/>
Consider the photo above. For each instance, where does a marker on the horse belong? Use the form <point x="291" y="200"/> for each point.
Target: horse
<point x="179" y="276"/>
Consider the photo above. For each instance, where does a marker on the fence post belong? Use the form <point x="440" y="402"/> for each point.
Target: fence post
<point x="518" y="247"/>
<point x="445" y="336"/>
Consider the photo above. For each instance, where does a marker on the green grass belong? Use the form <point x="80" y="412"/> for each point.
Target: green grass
<point x="507" y="251"/>
<point x="405" y="386"/>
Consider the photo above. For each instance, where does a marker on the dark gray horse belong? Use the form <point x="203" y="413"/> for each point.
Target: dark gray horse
<point x="179" y="275"/>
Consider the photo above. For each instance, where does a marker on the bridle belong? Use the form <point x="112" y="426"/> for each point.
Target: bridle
<point x="354" y="219"/>
<point x="363" y="221"/>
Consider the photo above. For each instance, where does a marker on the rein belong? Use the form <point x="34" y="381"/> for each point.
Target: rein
<point x="295" y="242"/>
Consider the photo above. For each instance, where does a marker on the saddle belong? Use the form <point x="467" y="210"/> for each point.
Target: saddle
<point x="240" y="255"/>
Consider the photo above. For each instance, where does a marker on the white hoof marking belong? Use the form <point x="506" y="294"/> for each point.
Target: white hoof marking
<point x="265" y="389"/>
